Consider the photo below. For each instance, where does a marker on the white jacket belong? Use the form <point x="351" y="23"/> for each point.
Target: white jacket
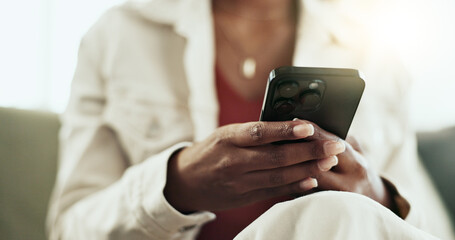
<point x="144" y="87"/>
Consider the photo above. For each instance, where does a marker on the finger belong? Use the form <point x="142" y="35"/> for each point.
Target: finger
<point x="350" y="160"/>
<point x="332" y="181"/>
<point x="259" y="133"/>
<point x="275" y="156"/>
<point x="328" y="163"/>
<point x="319" y="133"/>
<point x="300" y="187"/>
<point x="354" y="143"/>
<point x="279" y="177"/>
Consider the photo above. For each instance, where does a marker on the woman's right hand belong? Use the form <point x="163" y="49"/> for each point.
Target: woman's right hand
<point x="238" y="165"/>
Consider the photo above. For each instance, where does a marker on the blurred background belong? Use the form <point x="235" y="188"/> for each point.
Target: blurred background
<point x="40" y="39"/>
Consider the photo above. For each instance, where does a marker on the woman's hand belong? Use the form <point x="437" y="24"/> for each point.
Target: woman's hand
<point x="238" y="165"/>
<point x="352" y="173"/>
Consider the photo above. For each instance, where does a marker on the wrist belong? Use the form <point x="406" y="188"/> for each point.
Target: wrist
<point x="172" y="190"/>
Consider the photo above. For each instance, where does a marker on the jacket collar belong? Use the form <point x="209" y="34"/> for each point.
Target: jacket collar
<point x="192" y="20"/>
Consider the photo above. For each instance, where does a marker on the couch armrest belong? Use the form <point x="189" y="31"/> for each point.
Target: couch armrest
<point x="437" y="151"/>
<point x="28" y="156"/>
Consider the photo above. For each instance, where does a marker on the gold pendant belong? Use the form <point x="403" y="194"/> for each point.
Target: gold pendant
<point x="249" y="68"/>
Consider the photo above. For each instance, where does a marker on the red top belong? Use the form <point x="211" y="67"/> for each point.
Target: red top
<point x="234" y="109"/>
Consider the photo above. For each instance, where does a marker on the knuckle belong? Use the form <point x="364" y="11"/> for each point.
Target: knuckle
<point x="219" y="138"/>
<point x="285" y="129"/>
<point x="225" y="165"/>
<point x="225" y="135"/>
<point x="256" y="132"/>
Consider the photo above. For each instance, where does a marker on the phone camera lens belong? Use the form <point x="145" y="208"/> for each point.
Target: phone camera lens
<point x="313" y="85"/>
<point x="288" y="89"/>
<point x="310" y="100"/>
<point x="284" y="106"/>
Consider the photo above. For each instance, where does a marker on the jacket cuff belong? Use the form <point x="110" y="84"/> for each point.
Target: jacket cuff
<point x="153" y="211"/>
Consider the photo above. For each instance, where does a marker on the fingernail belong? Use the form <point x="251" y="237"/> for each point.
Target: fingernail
<point x="308" y="183"/>
<point x="303" y="130"/>
<point x="327" y="163"/>
<point x="334" y="147"/>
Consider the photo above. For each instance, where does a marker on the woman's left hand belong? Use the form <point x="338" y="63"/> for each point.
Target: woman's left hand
<point x="353" y="174"/>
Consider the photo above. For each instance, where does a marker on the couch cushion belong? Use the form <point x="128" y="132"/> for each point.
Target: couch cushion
<point x="437" y="150"/>
<point x="28" y="153"/>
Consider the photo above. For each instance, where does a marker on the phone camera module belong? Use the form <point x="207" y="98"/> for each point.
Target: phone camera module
<point x="284" y="106"/>
<point x="310" y="100"/>
<point x="313" y="85"/>
<point x="288" y="89"/>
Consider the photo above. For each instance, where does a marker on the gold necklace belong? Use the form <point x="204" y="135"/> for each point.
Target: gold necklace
<point x="248" y="64"/>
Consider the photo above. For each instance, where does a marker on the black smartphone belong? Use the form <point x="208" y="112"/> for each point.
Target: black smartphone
<point x="328" y="97"/>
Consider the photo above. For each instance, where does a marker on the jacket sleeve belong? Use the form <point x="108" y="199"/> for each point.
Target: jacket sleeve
<point x="417" y="199"/>
<point x="98" y="194"/>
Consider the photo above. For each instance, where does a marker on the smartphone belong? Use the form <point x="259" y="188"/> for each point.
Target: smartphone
<point x="328" y="97"/>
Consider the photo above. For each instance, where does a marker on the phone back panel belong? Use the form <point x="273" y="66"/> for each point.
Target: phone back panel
<point x="326" y="96"/>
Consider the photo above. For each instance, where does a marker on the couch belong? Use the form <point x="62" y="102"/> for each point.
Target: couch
<point x="28" y="154"/>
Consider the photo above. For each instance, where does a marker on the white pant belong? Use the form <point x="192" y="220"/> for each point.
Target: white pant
<point x="331" y="215"/>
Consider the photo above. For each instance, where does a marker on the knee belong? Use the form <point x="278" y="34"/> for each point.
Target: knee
<point x="330" y="215"/>
<point x="323" y="215"/>
<point x="333" y="214"/>
<point x="334" y="203"/>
